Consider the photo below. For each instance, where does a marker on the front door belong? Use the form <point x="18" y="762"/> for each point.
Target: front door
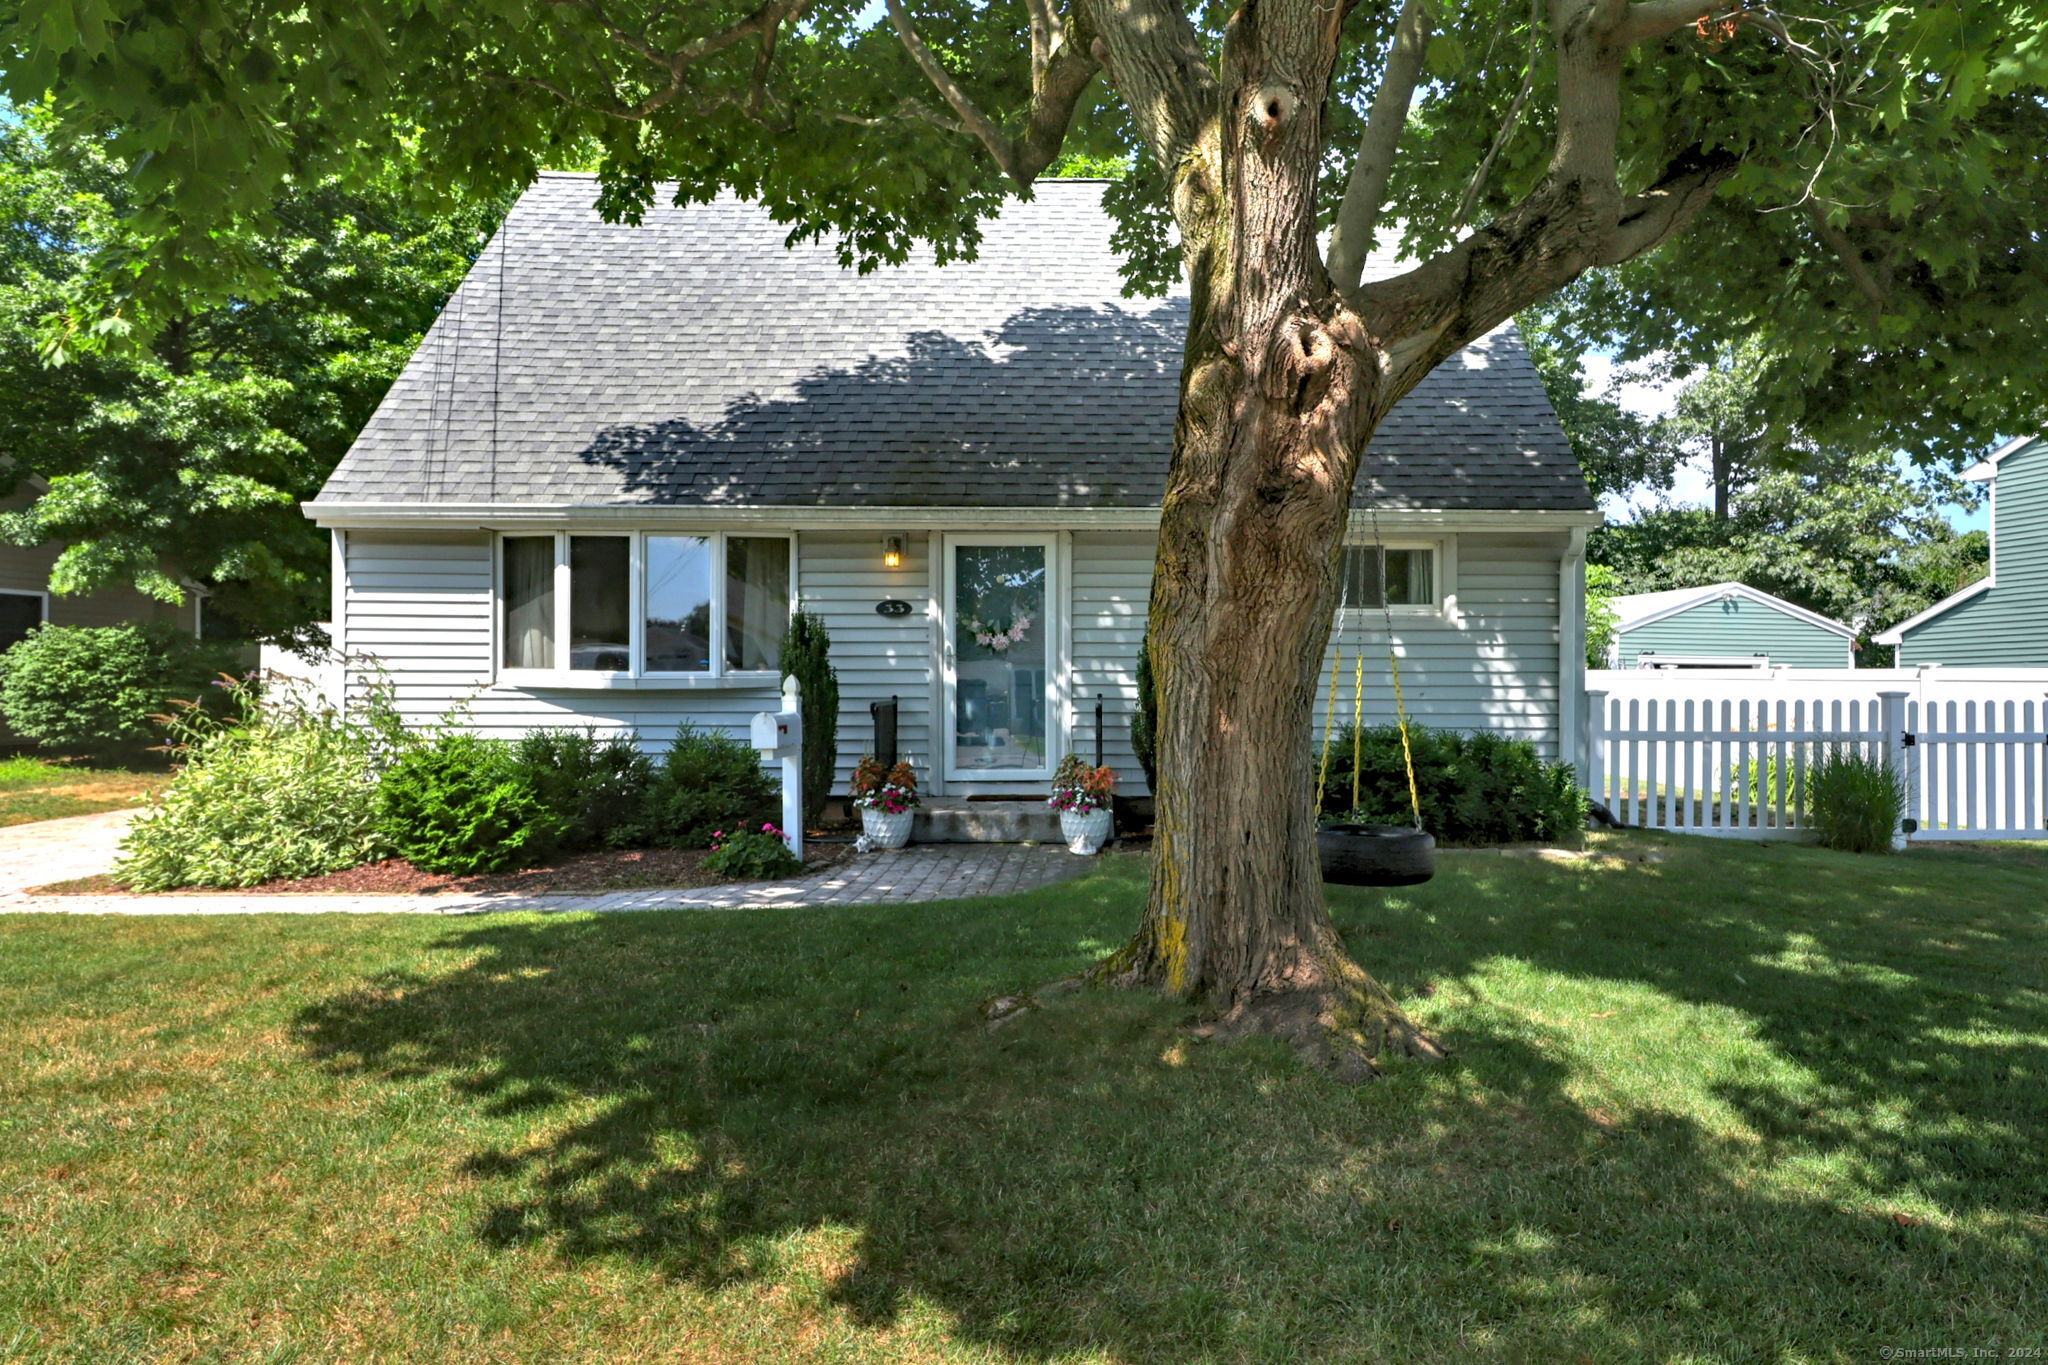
<point x="1000" y="599"/>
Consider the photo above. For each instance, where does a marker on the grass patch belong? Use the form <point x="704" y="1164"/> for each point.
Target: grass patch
<point x="34" y="789"/>
<point x="1743" y="1103"/>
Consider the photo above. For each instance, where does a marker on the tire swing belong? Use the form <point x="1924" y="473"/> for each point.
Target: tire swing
<point x="1361" y="854"/>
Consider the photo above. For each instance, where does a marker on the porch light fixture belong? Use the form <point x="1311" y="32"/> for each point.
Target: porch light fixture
<point x="892" y="552"/>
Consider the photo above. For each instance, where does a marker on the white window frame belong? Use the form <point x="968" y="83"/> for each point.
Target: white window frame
<point x="636" y="672"/>
<point x="42" y="600"/>
<point x="1443" y="564"/>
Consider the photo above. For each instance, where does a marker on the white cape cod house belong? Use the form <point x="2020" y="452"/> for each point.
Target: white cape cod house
<point x="623" y="452"/>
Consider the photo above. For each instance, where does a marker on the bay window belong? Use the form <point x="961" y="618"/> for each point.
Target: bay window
<point x="645" y="604"/>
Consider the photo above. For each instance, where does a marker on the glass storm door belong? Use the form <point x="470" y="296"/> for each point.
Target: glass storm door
<point x="999" y="635"/>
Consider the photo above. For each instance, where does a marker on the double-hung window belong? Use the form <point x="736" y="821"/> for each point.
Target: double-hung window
<point x="647" y="604"/>
<point x="1399" y="576"/>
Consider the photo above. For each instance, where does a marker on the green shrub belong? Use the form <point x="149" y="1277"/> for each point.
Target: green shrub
<point x="1856" y="801"/>
<point x="1473" y="789"/>
<point x="1765" y="781"/>
<point x="288" y="790"/>
<point x="91" y="690"/>
<point x="751" y="855"/>
<point x="460" y="804"/>
<point x="805" y="656"/>
<point x="709" y="781"/>
<point x="1145" y="720"/>
<point x="596" y="788"/>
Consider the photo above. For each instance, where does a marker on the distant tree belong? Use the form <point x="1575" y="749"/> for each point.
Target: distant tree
<point x="1602" y="621"/>
<point x="1847" y="535"/>
<point x="187" y="458"/>
<point x="1619" y="451"/>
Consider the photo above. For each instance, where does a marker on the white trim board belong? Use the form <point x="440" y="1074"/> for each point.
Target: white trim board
<point x="556" y="516"/>
<point x="1713" y="592"/>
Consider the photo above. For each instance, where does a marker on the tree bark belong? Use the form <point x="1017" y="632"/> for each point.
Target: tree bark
<point x="1722" y="476"/>
<point x="1280" y="389"/>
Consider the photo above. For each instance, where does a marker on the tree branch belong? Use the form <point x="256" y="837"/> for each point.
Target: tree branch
<point x="1047" y="33"/>
<point x="1477" y="185"/>
<point x="1060" y="72"/>
<point x="1838" y="242"/>
<point x="1534" y="249"/>
<point x="1365" y="193"/>
<point x="1159" y="66"/>
<point x="981" y="125"/>
<point x="764" y="24"/>
<point x="1648" y="20"/>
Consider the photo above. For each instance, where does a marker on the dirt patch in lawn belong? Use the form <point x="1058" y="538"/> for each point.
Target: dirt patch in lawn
<point x="629" y="869"/>
<point x="49" y="792"/>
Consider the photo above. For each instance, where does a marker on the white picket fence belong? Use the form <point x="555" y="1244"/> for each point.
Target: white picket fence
<point x="1739" y="769"/>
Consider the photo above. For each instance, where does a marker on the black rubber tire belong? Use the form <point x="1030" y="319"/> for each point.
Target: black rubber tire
<point x="1376" y="855"/>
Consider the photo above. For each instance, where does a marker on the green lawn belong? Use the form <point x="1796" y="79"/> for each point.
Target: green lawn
<point x="31" y="790"/>
<point x="1743" y="1103"/>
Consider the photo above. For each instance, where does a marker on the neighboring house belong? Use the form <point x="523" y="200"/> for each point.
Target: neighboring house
<point x="2001" y="620"/>
<point x="27" y="602"/>
<point x="1725" y="625"/>
<point x="623" y="452"/>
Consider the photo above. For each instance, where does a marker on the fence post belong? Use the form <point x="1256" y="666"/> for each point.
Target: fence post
<point x="1892" y="720"/>
<point x="1592" y="745"/>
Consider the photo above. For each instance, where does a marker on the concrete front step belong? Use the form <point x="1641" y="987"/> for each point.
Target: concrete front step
<point x="986" y="822"/>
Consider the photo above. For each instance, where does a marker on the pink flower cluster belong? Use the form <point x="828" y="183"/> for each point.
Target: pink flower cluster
<point x="718" y="835"/>
<point x="1081" y="789"/>
<point x="988" y="637"/>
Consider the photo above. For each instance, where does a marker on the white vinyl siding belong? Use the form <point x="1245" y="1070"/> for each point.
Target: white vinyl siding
<point x="1112" y="578"/>
<point x="1489" y="661"/>
<point x="422" y="604"/>
<point x="841" y="577"/>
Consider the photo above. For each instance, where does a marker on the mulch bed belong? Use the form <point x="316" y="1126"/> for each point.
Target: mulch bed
<point x="630" y="869"/>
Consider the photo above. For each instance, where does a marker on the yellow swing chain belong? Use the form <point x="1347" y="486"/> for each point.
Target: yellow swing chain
<point x="1393" y="666"/>
<point x="1357" y="724"/>
<point x="1329" y="732"/>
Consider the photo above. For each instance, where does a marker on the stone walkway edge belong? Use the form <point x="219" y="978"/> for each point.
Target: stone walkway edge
<point x="913" y="875"/>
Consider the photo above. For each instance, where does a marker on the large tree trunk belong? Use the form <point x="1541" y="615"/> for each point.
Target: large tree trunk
<point x="1280" y="390"/>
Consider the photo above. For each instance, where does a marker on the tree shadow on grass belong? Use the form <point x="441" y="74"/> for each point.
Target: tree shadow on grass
<point x="1918" y="1012"/>
<point x="802" y="1097"/>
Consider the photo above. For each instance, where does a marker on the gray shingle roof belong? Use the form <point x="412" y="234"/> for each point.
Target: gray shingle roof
<point x="695" y="361"/>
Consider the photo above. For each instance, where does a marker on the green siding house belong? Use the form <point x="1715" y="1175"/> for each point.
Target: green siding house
<point x="2001" y="620"/>
<point x="1725" y="625"/>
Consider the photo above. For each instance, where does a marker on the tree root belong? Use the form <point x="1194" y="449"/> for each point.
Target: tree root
<point x="1350" y="1029"/>
<point x="1006" y="1009"/>
<point x="1345" y="1024"/>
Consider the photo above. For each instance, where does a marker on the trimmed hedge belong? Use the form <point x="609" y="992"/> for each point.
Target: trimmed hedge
<point x="1473" y="789"/>
<point x="595" y="789"/>
<point x="708" y="782"/>
<point x="460" y="805"/>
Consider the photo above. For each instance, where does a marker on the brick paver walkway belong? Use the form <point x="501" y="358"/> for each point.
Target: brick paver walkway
<point x="58" y="850"/>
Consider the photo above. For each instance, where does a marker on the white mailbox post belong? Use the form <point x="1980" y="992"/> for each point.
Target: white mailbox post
<point x="780" y="734"/>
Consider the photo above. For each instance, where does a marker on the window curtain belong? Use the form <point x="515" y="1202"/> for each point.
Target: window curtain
<point x="529" y="602"/>
<point x="756" y="602"/>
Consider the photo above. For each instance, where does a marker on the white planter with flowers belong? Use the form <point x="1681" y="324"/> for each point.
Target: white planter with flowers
<point x="1083" y="794"/>
<point x="883" y="830"/>
<point x="887" y="800"/>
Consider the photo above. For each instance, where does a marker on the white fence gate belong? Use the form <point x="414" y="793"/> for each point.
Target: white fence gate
<point x="1739" y="769"/>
